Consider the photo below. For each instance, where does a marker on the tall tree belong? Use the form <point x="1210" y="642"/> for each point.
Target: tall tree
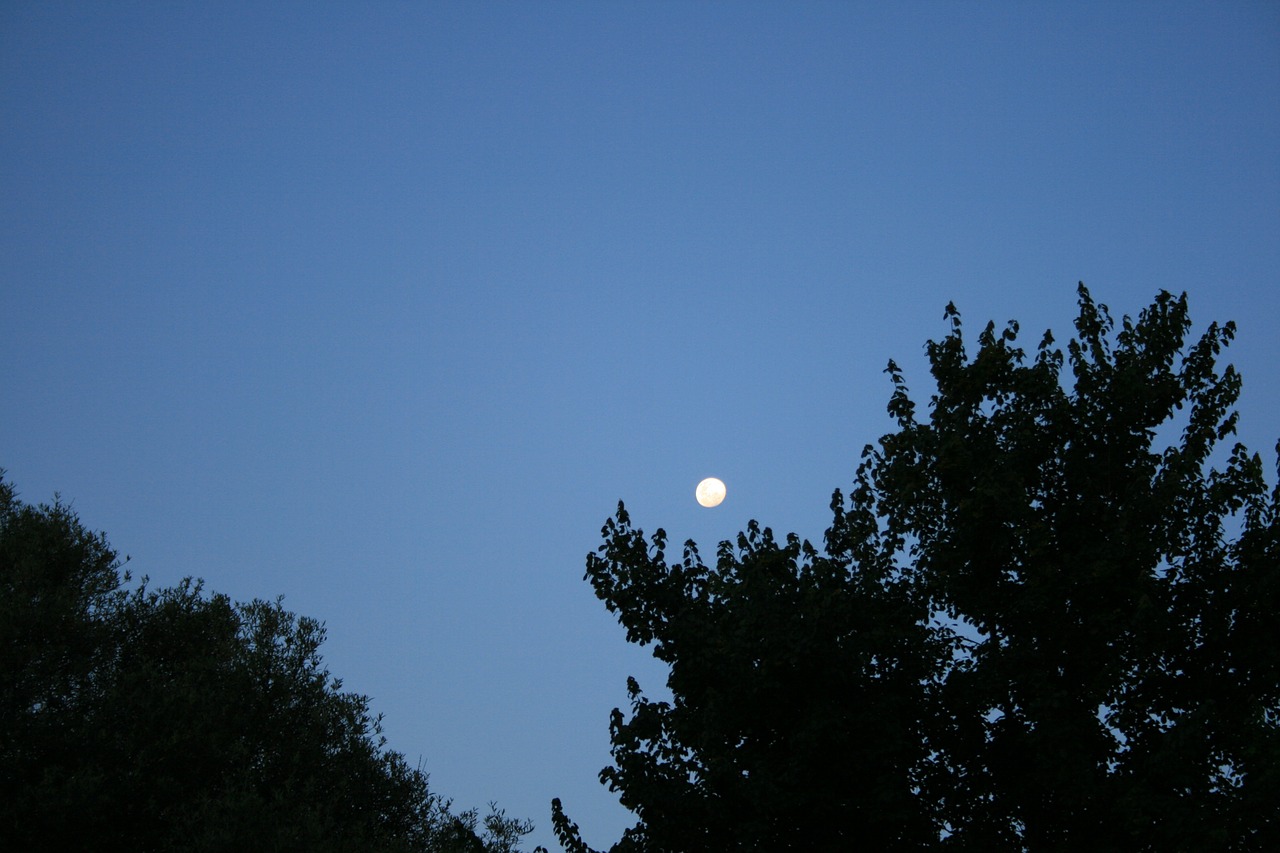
<point x="172" y="719"/>
<point x="1105" y="564"/>
<point x="1039" y="622"/>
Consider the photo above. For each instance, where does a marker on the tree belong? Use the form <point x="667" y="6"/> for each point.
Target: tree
<point x="172" y="719"/>
<point x="1034" y="625"/>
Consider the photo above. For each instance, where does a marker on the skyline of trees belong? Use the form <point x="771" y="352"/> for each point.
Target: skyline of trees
<point x="1039" y="620"/>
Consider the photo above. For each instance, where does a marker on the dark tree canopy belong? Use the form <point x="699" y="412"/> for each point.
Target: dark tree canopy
<point x="1041" y="620"/>
<point x="175" y="720"/>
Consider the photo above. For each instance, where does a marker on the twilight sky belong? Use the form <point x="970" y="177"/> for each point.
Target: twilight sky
<point x="382" y="307"/>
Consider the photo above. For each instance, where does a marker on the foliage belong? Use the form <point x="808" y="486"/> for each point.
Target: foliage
<point x="171" y="719"/>
<point x="1033" y="626"/>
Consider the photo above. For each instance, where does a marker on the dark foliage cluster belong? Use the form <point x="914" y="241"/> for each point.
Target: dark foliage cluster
<point x="1042" y="619"/>
<point x="137" y="719"/>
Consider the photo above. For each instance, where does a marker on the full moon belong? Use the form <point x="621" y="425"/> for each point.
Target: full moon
<point x="710" y="492"/>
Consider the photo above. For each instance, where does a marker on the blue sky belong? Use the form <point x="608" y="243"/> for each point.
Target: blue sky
<point x="383" y="307"/>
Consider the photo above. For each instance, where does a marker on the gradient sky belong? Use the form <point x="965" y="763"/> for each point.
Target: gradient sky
<point x="382" y="307"/>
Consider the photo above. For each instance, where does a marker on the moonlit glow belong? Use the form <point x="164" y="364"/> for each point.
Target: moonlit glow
<point x="710" y="492"/>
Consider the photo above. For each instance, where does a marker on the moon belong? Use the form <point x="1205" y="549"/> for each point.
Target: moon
<point x="710" y="492"/>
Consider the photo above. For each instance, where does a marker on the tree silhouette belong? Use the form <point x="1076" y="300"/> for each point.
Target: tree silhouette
<point x="171" y="719"/>
<point x="1034" y="625"/>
